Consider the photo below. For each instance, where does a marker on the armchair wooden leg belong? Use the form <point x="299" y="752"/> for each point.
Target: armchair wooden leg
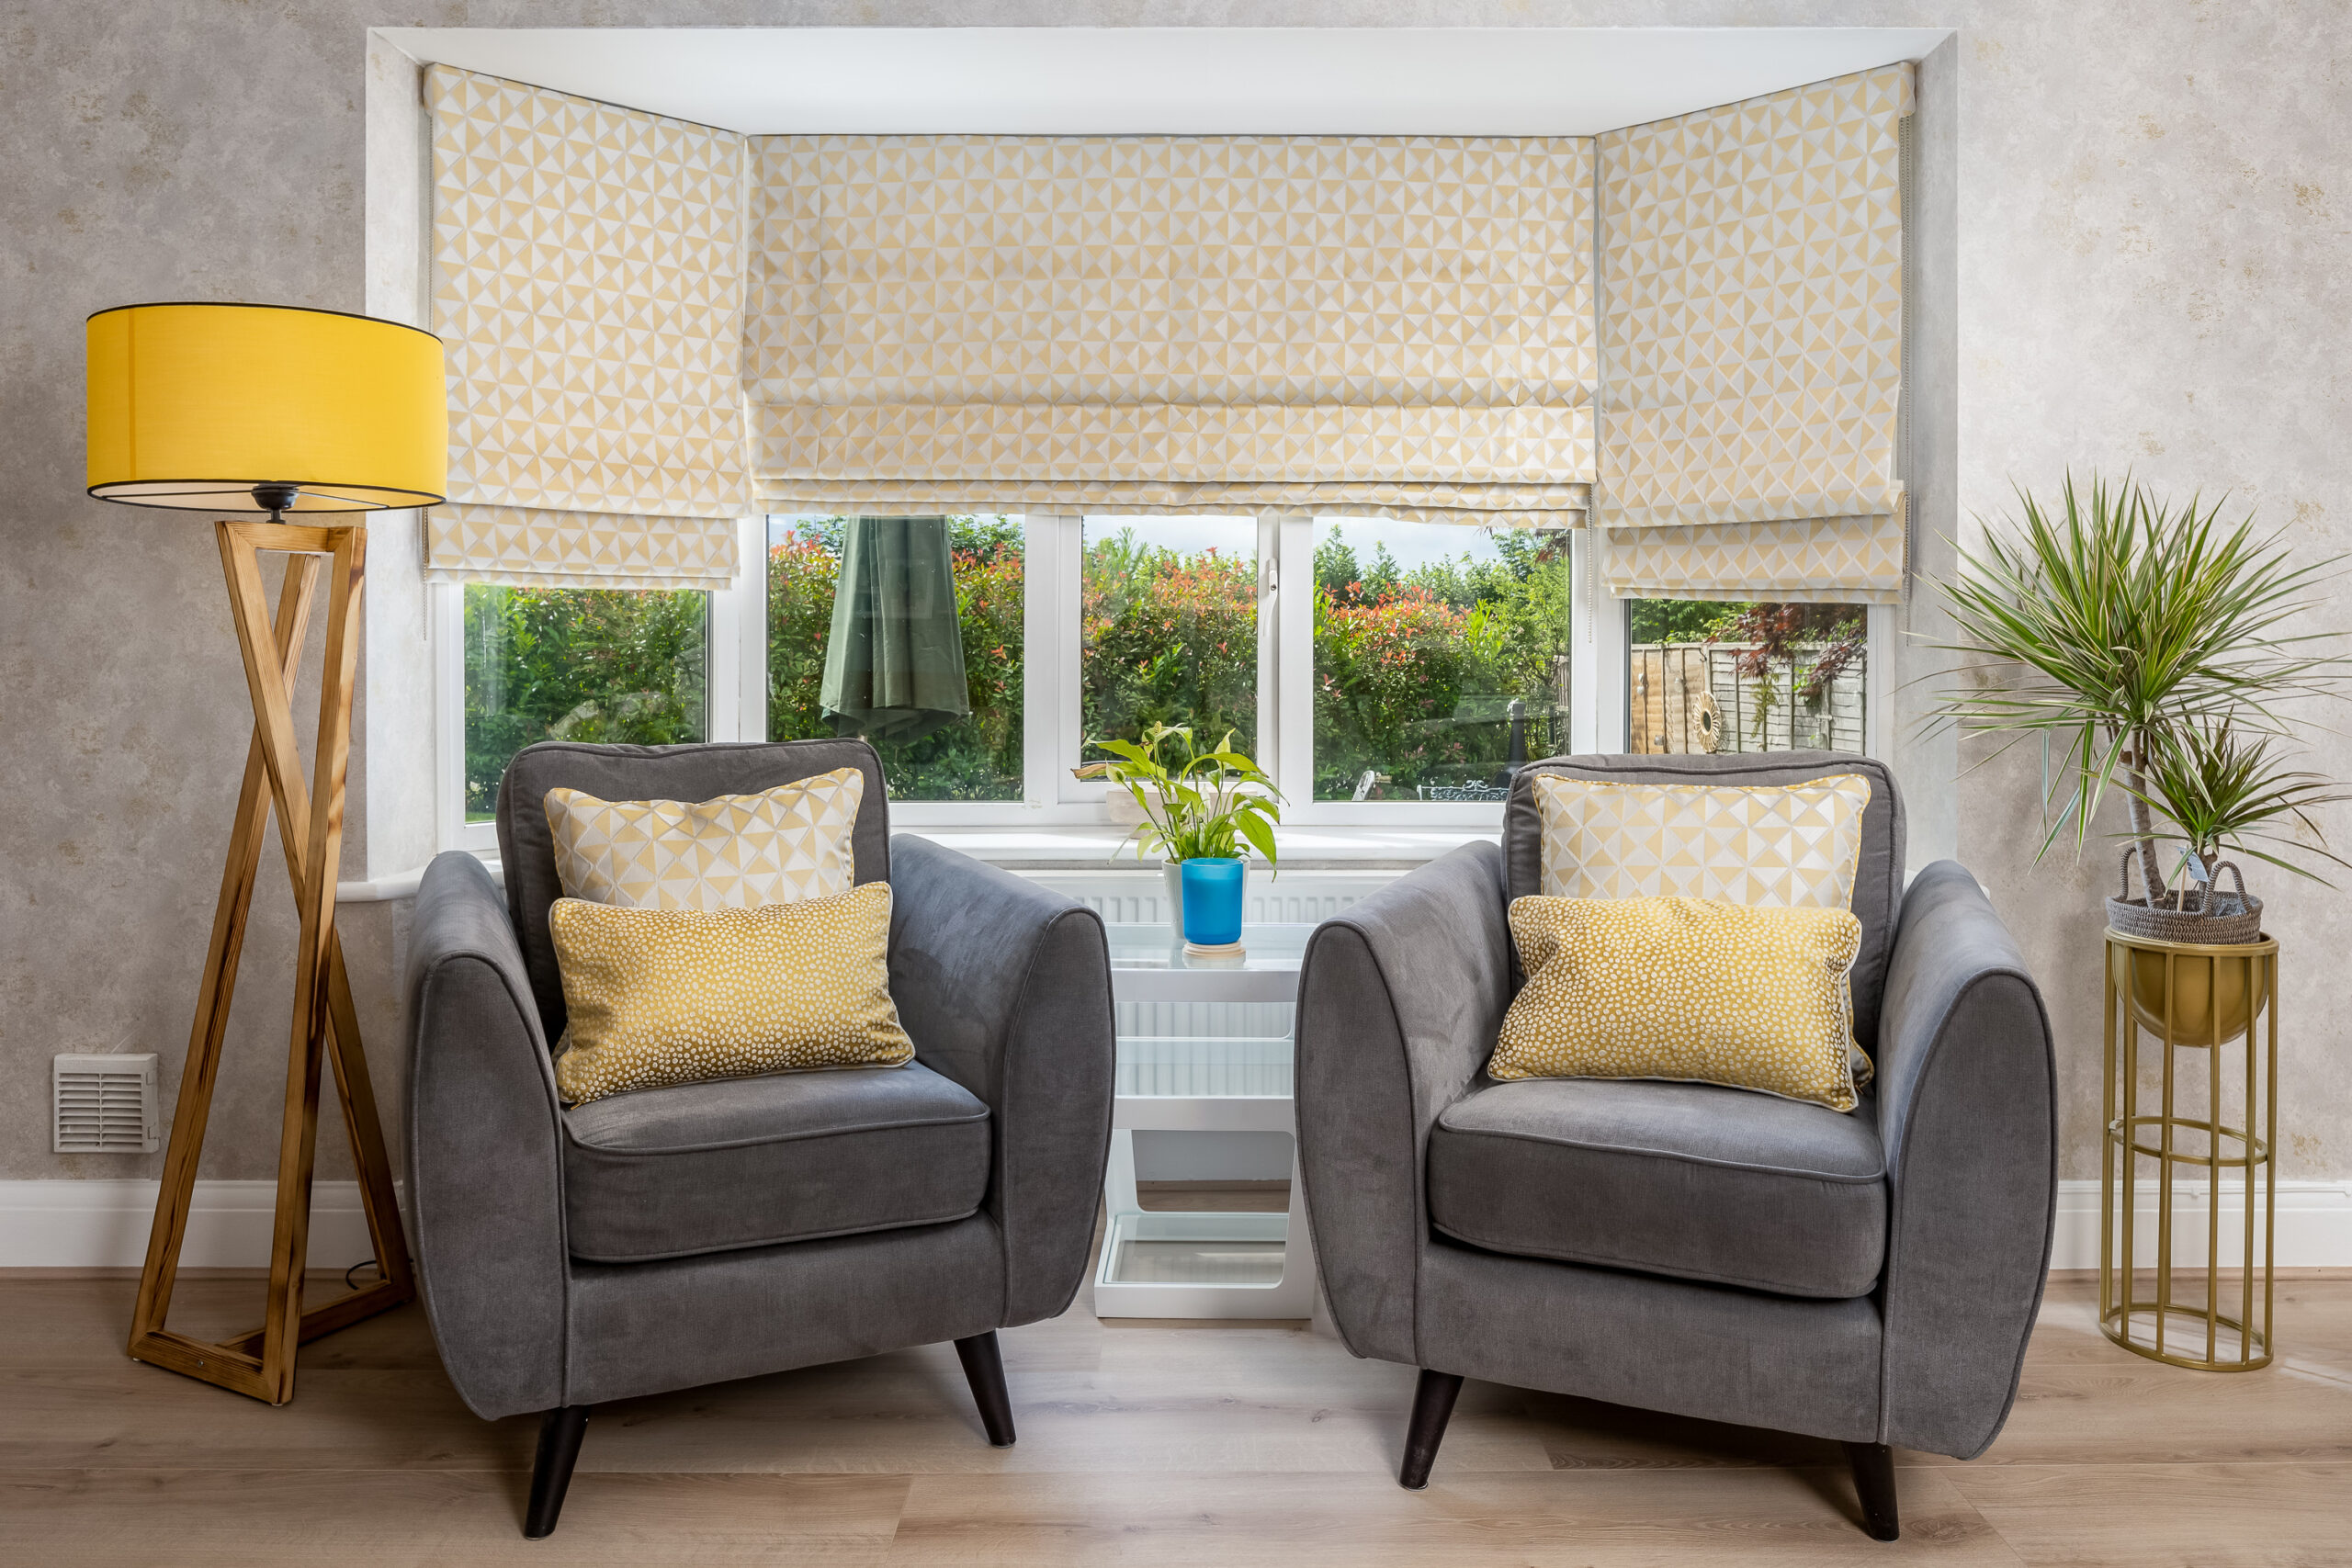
<point x="984" y="1370"/>
<point x="1874" y="1484"/>
<point x="1432" y="1408"/>
<point x="560" y="1430"/>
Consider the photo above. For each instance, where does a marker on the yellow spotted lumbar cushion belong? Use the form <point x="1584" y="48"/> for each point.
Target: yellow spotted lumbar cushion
<point x="792" y="842"/>
<point x="665" y="996"/>
<point x="1692" y="989"/>
<point x="1774" y="846"/>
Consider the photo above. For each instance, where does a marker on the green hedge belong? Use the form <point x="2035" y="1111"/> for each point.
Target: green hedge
<point x="1412" y="668"/>
<point x="577" y="664"/>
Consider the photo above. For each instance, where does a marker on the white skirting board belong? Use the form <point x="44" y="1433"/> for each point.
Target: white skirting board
<point x="103" y="1225"/>
<point x="2313" y="1221"/>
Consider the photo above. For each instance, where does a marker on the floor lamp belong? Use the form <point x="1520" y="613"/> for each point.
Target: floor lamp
<point x="273" y="409"/>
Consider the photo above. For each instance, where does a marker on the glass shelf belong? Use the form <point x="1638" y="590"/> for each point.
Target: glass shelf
<point x="1265" y="949"/>
<point x="1164" y="1248"/>
<point x="1204" y="1045"/>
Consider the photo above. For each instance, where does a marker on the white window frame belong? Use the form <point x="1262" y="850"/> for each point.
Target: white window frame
<point x="1053" y="549"/>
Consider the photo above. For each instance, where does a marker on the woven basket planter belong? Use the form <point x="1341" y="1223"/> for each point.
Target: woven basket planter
<point x="2205" y="915"/>
<point x="2200" y="918"/>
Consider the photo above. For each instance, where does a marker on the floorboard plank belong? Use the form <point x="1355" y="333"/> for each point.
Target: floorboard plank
<point x="237" y="1519"/>
<point x="1652" y="1519"/>
<point x="2167" y="1516"/>
<point x="1224" y="1444"/>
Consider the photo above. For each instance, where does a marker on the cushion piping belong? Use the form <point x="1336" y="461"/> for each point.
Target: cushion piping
<point x="1772" y="1287"/>
<point x="1673" y="1155"/>
<point x="774" y="1240"/>
<point x="803" y="1136"/>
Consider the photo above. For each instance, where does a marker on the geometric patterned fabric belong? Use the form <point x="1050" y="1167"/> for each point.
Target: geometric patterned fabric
<point x="588" y="288"/>
<point x="1691" y="991"/>
<point x="539" y="547"/>
<point x="1405" y="326"/>
<point x="665" y="996"/>
<point x="1399" y="326"/>
<point x="1853" y="561"/>
<point x="734" y="852"/>
<point x="1792" y="846"/>
<point x="1751" y="342"/>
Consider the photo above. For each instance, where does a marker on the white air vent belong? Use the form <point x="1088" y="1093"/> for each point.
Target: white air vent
<point x="104" y="1105"/>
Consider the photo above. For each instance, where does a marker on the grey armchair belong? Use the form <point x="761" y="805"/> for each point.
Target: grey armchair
<point x="672" y="1237"/>
<point x="1868" y="1277"/>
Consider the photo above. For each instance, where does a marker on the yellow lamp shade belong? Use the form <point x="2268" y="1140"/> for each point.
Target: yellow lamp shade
<point x="195" y="405"/>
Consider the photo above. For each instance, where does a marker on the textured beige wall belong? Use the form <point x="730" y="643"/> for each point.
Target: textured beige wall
<point x="2150" y="213"/>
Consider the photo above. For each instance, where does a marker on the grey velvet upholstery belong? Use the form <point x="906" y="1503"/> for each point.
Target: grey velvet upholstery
<point x="1673" y="1345"/>
<point x="1869" y="1277"/>
<point x="669" y="1238"/>
<point x="1687" y="1179"/>
<point x="701" y="1167"/>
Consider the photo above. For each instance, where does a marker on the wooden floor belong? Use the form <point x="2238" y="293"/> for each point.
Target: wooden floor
<point x="1230" y="1445"/>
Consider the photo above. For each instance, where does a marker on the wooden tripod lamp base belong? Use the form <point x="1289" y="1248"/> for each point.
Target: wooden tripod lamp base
<point x="320" y="413"/>
<point x="310" y="828"/>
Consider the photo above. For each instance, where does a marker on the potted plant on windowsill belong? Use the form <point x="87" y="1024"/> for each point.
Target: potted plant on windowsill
<point x="1199" y="815"/>
<point x="2153" y="647"/>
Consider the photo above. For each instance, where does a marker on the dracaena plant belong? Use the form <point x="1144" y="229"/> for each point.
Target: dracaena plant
<point x="2225" y="793"/>
<point x="2151" y="646"/>
<point x="1206" y="805"/>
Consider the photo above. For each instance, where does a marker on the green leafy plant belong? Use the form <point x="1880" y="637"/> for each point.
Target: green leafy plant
<point x="2225" y="793"/>
<point x="1204" y="806"/>
<point x="2150" y="642"/>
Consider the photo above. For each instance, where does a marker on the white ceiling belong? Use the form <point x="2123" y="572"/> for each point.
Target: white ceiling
<point x="1201" y="81"/>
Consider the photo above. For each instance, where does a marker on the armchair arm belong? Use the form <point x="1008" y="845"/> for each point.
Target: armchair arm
<point x="1967" y="1108"/>
<point x="1005" y="986"/>
<point x="485" y="1164"/>
<point x="1398" y="1002"/>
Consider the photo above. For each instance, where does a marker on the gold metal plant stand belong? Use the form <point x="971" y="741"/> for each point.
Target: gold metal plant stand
<point x="2189" y="1005"/>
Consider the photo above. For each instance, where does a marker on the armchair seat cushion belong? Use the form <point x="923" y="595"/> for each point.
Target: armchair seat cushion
<point x="1682" y="1179"/>
<point x="748" y="1162"/>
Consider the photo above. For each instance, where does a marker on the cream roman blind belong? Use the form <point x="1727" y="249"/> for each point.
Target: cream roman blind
<point x="1390" y="325"/>
<point x="588" y="283"/>
<point x="1751" y="314"/>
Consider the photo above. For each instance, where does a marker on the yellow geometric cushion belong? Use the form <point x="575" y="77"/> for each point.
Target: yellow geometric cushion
<point x="1778" y="846"/>
<point x="662" y="996"/>
<point x="1689" y="989"/>
<point x="792" y="842"/>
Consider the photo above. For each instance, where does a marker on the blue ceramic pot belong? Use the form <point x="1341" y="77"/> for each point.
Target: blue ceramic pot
<point x="1212" y="902"/>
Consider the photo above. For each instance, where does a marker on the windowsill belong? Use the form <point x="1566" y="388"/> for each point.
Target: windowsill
<point x="1091" y="847"/>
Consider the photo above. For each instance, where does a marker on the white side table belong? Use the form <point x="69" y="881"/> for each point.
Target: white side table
<point x="1190" y="1264"/>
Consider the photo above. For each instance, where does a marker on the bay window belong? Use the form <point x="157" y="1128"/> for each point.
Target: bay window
<point x="1384" y="672"/>
<point x="1338" y="487"/>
